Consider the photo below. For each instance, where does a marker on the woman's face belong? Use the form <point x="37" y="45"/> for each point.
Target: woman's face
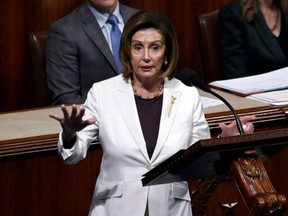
<point x="147" y="53"/>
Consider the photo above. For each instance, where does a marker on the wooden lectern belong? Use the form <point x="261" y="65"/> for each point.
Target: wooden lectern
<point x="214" y="160"/>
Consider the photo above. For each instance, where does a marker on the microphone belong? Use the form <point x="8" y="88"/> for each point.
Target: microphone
<point x="190" y="78"/>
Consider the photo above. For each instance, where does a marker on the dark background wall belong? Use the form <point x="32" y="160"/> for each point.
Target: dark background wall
<point x="19" y="17"/>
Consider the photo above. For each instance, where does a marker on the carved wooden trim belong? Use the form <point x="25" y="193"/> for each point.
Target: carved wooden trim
<point x="200" y="196"/>
<point x="16" y="147"/>
<point x="265" y="115"/>
<point x="254" y="140"/>
<point x="255" y="186"/>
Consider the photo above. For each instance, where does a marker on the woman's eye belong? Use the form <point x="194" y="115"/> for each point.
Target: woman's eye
<point x="137" y="47"/>
<point x="155" y="47"/>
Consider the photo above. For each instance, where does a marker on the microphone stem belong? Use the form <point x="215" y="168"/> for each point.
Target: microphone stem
<point x="237" y="119"/>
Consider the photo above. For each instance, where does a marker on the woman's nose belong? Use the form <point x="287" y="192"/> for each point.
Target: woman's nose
<point x="146" y="56"/>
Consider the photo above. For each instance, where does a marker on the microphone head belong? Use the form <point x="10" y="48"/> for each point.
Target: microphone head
<point x="185" y="75"/>
<point x="190" y="78"/>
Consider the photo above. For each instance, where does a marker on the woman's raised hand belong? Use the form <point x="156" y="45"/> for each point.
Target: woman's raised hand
<point x="73" y="122"/>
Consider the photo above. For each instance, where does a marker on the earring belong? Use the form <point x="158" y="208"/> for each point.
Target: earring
<point x="165" y="62"/>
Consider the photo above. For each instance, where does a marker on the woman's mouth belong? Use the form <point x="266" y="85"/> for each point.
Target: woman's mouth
<point x="146" y="68"/>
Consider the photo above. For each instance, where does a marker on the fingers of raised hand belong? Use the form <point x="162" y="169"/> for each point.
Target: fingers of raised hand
<point x="64" y="111"/>
<point x="74" y="111"/>
<point x="55" y="117"/>
<point x="73" y="114"/>
<point x="81" y="112"/>
<point x="73" y="121"/>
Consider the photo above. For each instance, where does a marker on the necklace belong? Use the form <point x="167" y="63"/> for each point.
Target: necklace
<point x="153" y="96"/>
<point x="276" y="21"/>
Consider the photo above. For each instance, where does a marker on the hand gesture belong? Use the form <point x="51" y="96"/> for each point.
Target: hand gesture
<point x="73" y="122"/>
<point x="232" y="130"/>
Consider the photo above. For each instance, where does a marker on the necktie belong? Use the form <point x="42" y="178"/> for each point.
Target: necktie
<point x="115" y="39"/>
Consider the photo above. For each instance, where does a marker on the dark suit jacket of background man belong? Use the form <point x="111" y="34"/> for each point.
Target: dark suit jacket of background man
<point x="77" y="55"/>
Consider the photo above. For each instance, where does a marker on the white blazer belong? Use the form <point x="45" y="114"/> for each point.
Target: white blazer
<point x="118" y="189"/>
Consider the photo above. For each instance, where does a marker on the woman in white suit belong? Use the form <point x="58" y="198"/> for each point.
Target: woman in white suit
<point x="141" y="118"/>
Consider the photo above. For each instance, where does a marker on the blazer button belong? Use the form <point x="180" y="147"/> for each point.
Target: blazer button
<point x="149" y="167"/>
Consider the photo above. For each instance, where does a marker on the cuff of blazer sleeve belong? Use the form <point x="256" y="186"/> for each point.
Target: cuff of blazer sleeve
<point x="64" y="153"/>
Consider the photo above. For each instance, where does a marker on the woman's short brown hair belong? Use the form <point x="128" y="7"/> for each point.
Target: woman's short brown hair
<point x="150" y="19"/>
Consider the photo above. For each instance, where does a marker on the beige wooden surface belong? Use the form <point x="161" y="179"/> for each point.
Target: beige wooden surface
<point x="237" y="102"/>
<point x="28" y="123"/>
<point x="36" y="122"/>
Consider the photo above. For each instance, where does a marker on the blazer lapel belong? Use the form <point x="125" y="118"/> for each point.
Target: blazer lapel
<point x="169" y="110"/>
<point x="268" y="39"/>
<point x="131" y="119"/>
<point x="94" y="32"/>
<point x="128" y="110"/>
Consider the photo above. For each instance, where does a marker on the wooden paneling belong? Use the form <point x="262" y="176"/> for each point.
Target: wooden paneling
<point x="41" y="184"/>
<point x="18" y="18"/>
<point x="12" y="59"/>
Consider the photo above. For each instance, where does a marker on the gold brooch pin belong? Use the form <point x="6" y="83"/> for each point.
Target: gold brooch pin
<point x="171" y="105"/>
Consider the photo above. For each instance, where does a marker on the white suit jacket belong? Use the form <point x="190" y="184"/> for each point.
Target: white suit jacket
<point x="118" y="189"/>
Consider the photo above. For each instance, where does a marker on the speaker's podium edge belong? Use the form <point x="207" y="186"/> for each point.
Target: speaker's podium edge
<point x="245" y="152"/>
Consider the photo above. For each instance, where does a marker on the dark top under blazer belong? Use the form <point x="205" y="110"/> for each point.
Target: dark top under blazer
<point x="78" y="55"/>
<point x="247" y="48"/>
